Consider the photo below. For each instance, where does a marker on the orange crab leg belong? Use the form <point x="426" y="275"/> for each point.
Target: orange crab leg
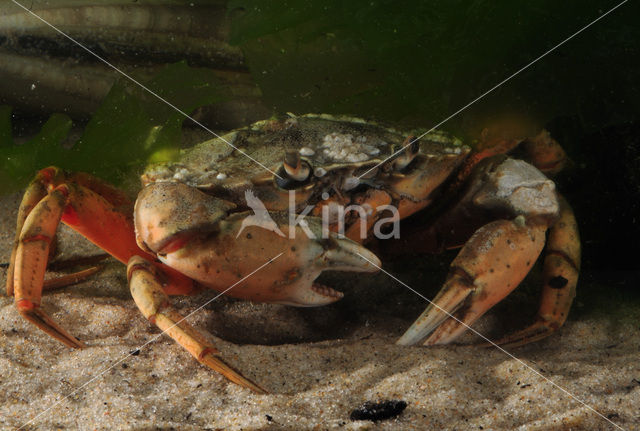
<point x="108" y="192"/>
<point x="154" y="304"/>
<point x="87" y="212"/>
<point x="561" y="268"/>
<point x="31" y="263"/>
<point x="69" y="279"/>
<point x="103" y="215"/>
<point x="48" y="179"/>
<point x="34" y="194"/>
<point x="545" y="153"/>
<point x="94" y="218"/>
<point x="490" y="265"/>
<point x="542" y="151"/>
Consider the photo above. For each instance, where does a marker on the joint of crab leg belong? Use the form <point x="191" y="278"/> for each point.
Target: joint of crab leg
<point x="295" y="168"/>
<point x="50" y="177"/>
<point x="24" y="305"/>
<point x="47" y="174"/>
<point x="36" y="238"/>
<point x="176" y="242"/>
<point x="154" y="304"/>
<point x="545" y="153"/>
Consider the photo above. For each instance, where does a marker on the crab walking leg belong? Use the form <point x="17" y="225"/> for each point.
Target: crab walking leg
<point x="69" y="279"/>
<point x="561" y="268"/>
<point x="545" y="153"/>
<point x="34" y="194"/>
<point x="154" y="304"/>
<point x="31" y="262"/>
<point x="49" y="178"/>
<point x="103" y="214"/>
<point x="88" y="213"/>
<point x="490" y="265"/>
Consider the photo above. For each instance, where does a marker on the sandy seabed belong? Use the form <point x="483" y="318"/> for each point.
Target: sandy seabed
<point x="319" y="364"/>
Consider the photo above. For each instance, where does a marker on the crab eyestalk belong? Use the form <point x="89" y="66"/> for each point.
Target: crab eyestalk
<point x="410" y="149"/>
<point x="295" y="168"/>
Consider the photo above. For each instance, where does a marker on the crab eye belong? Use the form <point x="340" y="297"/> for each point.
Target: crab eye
<point x="294" y="172"/>
<point x="410" y="147"/>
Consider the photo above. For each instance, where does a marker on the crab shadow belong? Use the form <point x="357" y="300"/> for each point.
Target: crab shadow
<point x="356" y="336"/>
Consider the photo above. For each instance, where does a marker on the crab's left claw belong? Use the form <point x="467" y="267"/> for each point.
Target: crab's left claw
<point x="198" y="235"/>
<point x="490" y="265"/>
<point x="238" y="254"/>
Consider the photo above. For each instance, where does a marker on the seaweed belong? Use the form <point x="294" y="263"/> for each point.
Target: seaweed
<point x="131" y="128"/>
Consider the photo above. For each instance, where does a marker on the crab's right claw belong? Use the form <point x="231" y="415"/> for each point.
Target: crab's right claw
<point x="148" y="293"/>
<point x="490" y="265"/>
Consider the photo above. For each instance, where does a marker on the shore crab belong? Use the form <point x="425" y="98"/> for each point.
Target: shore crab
<point x="188" y="228"/>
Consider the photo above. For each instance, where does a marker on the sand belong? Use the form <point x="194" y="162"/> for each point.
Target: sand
<point x="319" y="364"/>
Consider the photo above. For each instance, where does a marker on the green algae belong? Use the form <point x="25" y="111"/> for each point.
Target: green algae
<point x="131" y="128"/>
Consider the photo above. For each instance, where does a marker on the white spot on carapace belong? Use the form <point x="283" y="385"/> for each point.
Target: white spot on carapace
<point x="342" y="147"/>
<point x="306" y="152"/>
<point x="373" y="151"/>
<point x="181" y="174"/>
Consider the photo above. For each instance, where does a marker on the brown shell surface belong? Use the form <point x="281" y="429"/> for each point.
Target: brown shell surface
<point x="334" y="147"/>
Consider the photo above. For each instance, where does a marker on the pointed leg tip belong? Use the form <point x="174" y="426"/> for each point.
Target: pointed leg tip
<point x="403" y="342"/>
<point x="536" y="332"/>
<point x="413" y="336"/>
<point x="74" y="344"/>
<point x="39" y="318"/>
<point x="217" y="364"/>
